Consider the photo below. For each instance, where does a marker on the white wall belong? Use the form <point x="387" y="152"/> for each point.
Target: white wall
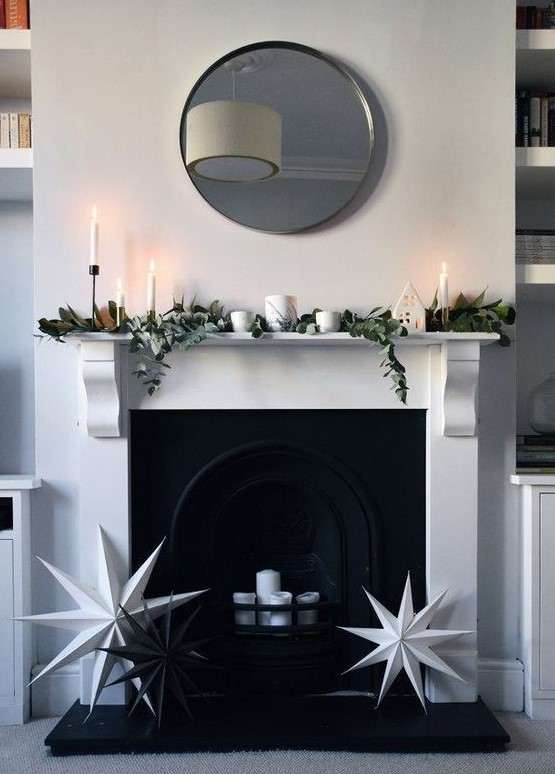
<point x="17" y="439"/>
<point x="109" y="83"/>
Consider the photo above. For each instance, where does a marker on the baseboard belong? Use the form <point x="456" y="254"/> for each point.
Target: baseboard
<point x="54" y="694"/>
<point x="501" y="684"/>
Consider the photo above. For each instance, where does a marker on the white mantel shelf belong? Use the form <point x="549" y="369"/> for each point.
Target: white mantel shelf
<point x="460" y="358"/>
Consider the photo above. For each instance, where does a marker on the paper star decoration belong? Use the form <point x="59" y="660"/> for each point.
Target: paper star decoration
<point x="99" y="619"/>
<point x="405" y="642"/>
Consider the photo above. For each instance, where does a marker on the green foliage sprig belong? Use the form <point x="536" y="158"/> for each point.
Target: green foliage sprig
<point x="179" y="328"/>
<point x="379" y="327"/>
<point x="473" y="316"/>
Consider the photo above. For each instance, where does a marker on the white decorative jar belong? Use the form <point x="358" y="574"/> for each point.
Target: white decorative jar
<point x="541" y="406"/>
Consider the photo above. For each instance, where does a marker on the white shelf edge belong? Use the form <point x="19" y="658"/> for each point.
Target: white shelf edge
<point x="533" y="479"/>
<point x="306" y="340"/>
<point x="535" y="274"/>
<point x="15" y="40"/>
<point x="535" y="40"/>
<point x="19" y="481"/>
<point x="535" y="157"/>
<point x="16" y="158"/>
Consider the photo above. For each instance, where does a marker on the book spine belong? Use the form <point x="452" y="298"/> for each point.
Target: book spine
<point x="551" y="121"/>
<point x="4" y="130"/>
<point x="535" y="469"/>
<point x="14" y="130"/>
<point x="543" y="440"/>
<point x="24" y="130"/>
<point x="535" y="457"/>
<point x="17" y="14"/>
<point x="544" y="121"/>
<point x="2" y="14"/>
<point x="530" y="17"/>
<point x="535" y="119"/>
<point x="524" y="99"/>
<point x="521" y="17"/>
<point x="534" y="448"/>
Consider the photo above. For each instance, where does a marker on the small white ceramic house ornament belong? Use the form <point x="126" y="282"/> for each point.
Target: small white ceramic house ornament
<point x="409" y="310"/>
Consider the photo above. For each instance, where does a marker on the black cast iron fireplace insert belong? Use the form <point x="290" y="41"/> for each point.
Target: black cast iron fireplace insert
<point x="332" y="499"/>
<point x="317" y="495"/>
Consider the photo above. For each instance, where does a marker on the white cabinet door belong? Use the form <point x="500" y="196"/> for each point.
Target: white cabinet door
<point x="7" y="666"/>
<point x="547" y="592"/>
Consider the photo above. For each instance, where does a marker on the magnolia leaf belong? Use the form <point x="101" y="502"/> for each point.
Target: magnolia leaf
<point x="479" y="300"/>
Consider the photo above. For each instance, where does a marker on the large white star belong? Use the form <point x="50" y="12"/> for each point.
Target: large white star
<point x="99" y="619"/>
<point x="404" y="642"/>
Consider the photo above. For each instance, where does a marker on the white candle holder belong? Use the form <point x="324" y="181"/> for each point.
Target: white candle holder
<point x="281" y="313"/>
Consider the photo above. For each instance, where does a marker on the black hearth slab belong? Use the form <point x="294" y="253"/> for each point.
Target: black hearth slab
<point x="340" y="723"/>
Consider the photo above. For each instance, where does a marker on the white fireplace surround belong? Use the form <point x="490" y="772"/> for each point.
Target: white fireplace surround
<point x="289" y="371"/>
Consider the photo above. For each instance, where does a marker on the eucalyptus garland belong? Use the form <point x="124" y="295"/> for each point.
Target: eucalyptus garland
<point x="181" y="327"/>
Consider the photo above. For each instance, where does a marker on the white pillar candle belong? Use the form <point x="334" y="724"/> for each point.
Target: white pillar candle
<point x="120" y="296"/>
<point x="151" y="289"/>
<point x="443" y="299"/>
<point x="241" y="321"/>
<point x="280" y="617"/>
<point x="307" y="616"/>
<point x="244" y="617"/>
<point x="267" y="582"/>
<point x="281" y="313"/>
<point x="93" y="252"/>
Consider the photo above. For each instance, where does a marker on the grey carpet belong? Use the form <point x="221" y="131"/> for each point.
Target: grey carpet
<point x="532" y="751"/>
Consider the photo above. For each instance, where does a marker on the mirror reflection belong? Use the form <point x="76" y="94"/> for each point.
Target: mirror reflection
<point x="276" y="136"/>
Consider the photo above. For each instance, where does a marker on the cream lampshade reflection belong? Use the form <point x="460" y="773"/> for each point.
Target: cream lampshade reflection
<point x="233" y="141"/>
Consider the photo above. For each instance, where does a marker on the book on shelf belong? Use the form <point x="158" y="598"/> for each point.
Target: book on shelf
<point x="17" y="14"/>
<point x="534" y="119"/>
<point x="535" y="17"/>
<point x="15" y="130"/>
<point x="535" y="440"/>
<point x="535" y="246"/>
<point x="535" y="457"/>
<point x="2" y="14"/>
<point x="540" y="470"/>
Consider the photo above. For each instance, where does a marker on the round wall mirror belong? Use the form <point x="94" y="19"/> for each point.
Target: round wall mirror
<point x="276" y="137"/>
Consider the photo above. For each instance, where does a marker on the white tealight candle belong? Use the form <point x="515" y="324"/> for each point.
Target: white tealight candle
<point x="151" y="289"/>
<point x="443" y="299"/>
<point x="280" y="618"/>
<point x="244" y="617"/>
<point x="93" y="252"/>
<point x="307" y="616"/>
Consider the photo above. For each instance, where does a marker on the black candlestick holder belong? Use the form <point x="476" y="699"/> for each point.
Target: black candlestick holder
<point x="94" y="271"/>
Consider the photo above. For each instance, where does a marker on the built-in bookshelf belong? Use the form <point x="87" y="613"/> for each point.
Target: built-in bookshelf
<point x="15" y="97"/>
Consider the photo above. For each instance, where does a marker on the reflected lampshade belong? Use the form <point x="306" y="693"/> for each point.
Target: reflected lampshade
<point x="233" y="140"/>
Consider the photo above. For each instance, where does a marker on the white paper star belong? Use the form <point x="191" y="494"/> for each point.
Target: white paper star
<point x="404" y="642"/>
<point x="99" y="619"/>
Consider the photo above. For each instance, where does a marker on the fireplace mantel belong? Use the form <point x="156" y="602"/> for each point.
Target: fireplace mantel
<point x="460" y="356"/>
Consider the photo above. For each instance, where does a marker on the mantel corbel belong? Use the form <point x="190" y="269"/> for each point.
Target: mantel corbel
<point x="102" y="397"/>
<point x="460" y="369"/>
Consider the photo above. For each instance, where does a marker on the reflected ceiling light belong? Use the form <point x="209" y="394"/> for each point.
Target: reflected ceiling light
<point x="233" y="141"/>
